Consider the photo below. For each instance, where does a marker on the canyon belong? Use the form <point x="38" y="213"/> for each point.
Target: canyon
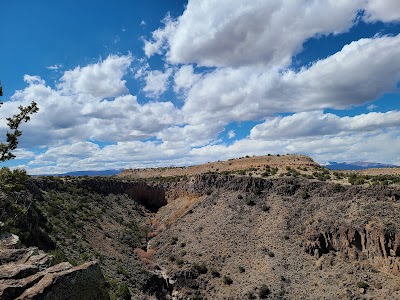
<point x="219" y="234"/>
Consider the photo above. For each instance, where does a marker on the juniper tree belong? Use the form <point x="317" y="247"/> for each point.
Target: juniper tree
<point x="14" y="122"/>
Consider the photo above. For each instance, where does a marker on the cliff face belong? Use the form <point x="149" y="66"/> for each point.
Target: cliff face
<point x="376" y="243"/>
<point x="304" y="239"/>
<point x="149" y="196"/>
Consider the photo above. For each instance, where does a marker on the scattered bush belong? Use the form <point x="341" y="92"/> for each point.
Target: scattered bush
<point x="179" y="262"/>
<point x="265" y="207"/>
<point x="214" y="272"/>
<point x="362" y="284"/>
<point x="264" y="291"/>
<point x="242" y="269"/>
<point x="201" y="268"/>
<point x="227" y="280"/>
<point x="304" y="195"/>
<point x="249" y="202"/>
<point x="250" y="295"/>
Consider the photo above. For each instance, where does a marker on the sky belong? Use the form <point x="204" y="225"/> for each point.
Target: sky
<point x="147" y="83"/>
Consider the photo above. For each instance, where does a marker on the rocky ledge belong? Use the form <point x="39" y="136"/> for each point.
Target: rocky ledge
<point x="29" y="274"/>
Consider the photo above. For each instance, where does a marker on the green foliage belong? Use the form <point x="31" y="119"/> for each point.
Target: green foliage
<point x="14" y="122"/>
<point x="58" y="256"/>
<point x="362" y="284"/>
<point x="11" y="181"/>
<point x="122" y="271"/>
<point x="119" y="291"/>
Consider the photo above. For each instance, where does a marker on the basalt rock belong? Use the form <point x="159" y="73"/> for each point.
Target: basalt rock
<point x="373" y="242"/>
<point x="28" y="274"/>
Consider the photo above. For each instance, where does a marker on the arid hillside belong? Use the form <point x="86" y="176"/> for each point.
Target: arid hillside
<point x="229" y="237"/>
<point x="244" y="165"/>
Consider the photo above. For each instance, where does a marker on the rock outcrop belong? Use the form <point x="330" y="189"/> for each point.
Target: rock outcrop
<point x="373" y="242"/>
<point x="28" y="274"/>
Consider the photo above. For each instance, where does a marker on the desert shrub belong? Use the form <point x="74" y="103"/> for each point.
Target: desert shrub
<point x="122" y="271"/>
<point x="214" y="272"/>
<point x="362" y="284"/>
<point x="264" y="291"/>
<point x="227" y="280"/>
<point x="250" y="295"/>
<point x="249" y="202"/>
<point x="337" y="188"/>
<point x="240" y="196"/>
<point x="265" y="207"/>
<point x="304" y="195"/>
<point x="180" y="262"/>
<point x="242" y="269"/>
<point x="174" y="240"/>
<point x="123" y="292"/>
<point x="201" y="268"/>
<point x="58" y="256"/>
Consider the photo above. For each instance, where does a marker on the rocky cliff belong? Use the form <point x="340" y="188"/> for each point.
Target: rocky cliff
<point x="28" y="273"/>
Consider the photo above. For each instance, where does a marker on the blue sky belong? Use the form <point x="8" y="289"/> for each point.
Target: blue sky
<point x="128" y="84"/>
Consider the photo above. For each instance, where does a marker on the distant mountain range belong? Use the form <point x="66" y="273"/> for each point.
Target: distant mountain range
<point x="358" y="165"/>
<point x="93" y="173"/>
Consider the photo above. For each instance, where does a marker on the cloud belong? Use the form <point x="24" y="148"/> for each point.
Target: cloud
<point x="382" y="10"/>
<point x="55" y="67"/>
<point x="340" y="81"/>
<point x="231" y="134"/>
<point x="79" y="116"/>
<point x="237" y="33"/>
<point x="184" y="78"/>
<point x="156" y="82"/>
<point x="100" y="80"/>
<point x="159" y="38"/>
<point x="316" y="123"/>
<point x="372" y="107"/>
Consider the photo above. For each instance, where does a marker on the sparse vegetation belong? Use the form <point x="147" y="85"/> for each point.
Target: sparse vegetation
<point x="249" y="201"/>
<point x="362" y="284"/>
<point x="227" y="280"/>
<point x="214" y="272"/>
<point x="264" y="291"/>
<point x="201" y="268"/>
